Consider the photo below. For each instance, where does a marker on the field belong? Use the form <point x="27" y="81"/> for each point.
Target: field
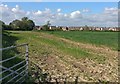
<point x="109" y="39"/>
<point x="90" y="55"/>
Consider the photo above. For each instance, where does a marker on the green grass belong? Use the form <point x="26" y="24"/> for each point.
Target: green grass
<point x="109" y="39"/>
<point x="37" y="42"/>
<point x="39" y="45"/>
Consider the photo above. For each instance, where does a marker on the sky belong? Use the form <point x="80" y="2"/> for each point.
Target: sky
<point x="59" y="0"/>
<point x="62" y="13"/>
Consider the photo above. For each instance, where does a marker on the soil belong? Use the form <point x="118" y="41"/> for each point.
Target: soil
<point x="58" y="64"/>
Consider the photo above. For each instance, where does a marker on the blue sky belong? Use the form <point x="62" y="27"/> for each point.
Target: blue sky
<point x="59" y="0"/>
<point x="63" y="13"/>
<point x="66" y="7"/>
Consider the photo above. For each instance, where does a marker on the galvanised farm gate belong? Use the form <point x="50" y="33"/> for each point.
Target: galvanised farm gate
<point x="17" y="69"/>
<point x="12" y="69"/>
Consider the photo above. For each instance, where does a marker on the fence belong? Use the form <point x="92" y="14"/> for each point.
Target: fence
<point x="19" y="70"/>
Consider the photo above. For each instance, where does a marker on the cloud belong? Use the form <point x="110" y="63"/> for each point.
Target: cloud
<point x="16" y="9"/>
<point x="59" y="10"/>
<point x="7" y="14"/>
<point x="38" y="13"/>
<point x="18" y="12"/>
<point x="75" y="14"/>
<point x="85" y="10"/>
<point x="109" y="16"/>
<point x="47" y="10"/>
<point x="28" y="13"/>
<point x="112" y="11"/>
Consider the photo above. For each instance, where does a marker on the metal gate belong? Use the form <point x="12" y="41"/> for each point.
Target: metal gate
<point x="18" y="72"/>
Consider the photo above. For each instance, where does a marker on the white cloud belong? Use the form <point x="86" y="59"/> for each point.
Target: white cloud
<point x="18" y="13"/>
<point x="6" y="13"/>
<point x="109" y="17"/>
<point x="38" y="12"/>
<point x="28" y="13"/>
<point x="59" y="10"/>
<point x="17" y="6"/>
<point x="6" y="6"/>
<point x="75" y="14"/>
<point x="47" y="10"/>
<point x="85" y="10"/>
<point x="16" y="9"/>
<point x="113" y="10"/>
<point x="65" y="15"/>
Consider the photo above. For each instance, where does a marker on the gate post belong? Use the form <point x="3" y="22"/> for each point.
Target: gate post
<point x="27" y="59"/>
<point x="76" y="80"/>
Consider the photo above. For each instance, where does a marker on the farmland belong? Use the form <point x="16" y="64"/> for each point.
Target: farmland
<point x="90" y="55"/>
<point x="109" y="39"/>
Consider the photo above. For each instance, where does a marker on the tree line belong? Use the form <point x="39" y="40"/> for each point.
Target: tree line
<point x="24" y="24"/>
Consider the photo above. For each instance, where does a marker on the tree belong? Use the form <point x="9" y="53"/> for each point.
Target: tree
<point x="2" y="24"/>
<point x="86" y="27"/>
<point x="25" y="19"/>
<point x="23" y="24"/>
<point x="46" y="26"/>
<point x="30" y="24"/>
<point x="15" y="25"/>
<point x="7" y="27"/>
<point x="48" y="23"/>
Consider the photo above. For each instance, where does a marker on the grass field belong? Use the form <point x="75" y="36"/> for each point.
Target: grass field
<point x="109" y="39"/>
<point x="72" y="52"/>
<point x="36" y="41"/>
